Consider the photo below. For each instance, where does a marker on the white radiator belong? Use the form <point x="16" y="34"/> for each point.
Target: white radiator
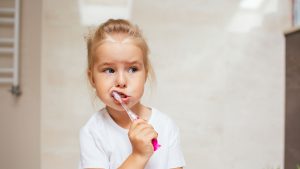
<point x="10" y="16"/>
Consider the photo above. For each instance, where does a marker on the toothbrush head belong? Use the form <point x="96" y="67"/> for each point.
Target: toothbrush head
<point x="117" y="96"/>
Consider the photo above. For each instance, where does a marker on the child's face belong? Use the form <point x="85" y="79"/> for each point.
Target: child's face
<point x="118" y="67"/>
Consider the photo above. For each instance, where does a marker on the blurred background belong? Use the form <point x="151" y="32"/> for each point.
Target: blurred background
<point x="222" y="63"/>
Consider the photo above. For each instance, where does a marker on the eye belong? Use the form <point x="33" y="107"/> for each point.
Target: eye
<point x="133" y="69"/>
<point x="109" y="70"/>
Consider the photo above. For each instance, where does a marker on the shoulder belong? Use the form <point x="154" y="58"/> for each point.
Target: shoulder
<point x="169" y="133"/>
<point x="162" y="120"/>
<point x="160" y="116"/>
<point x="95" y="122"/>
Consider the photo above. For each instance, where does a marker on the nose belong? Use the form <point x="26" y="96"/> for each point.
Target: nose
<point x="121" y="81"/>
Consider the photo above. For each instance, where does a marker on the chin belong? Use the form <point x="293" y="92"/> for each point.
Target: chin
<point x="115" y="107"/>
<point x="132" y="105"/>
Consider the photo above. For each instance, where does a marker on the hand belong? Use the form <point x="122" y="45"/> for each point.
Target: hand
<point x="140" y="135"/>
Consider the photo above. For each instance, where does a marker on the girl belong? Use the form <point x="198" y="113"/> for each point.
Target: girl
<point x="118" y="62"/>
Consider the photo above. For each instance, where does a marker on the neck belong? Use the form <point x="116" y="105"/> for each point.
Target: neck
<point x="122" y="118"/>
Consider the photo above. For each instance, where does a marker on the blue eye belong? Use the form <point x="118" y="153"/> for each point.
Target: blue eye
<point x="132" y="69"/>
<point x="109" y="70"/>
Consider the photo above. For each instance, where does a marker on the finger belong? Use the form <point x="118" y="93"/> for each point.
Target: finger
<point x="151" y="135"/>
<point x="145" y="127"/>
<point x="136" y="127"/>
<point x="147" y="137"/>
<point x="135" y="123"/>
<point x="143" y="130"/>
<point x="147" y="132"/>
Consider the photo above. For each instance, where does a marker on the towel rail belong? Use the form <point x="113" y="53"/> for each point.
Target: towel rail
<point x="10" y="46"/>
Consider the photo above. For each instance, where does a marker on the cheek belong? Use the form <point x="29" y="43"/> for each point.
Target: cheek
<point x="102" y="84"/>
<point x="102" y="91"/>
<point x="138" y="86"/>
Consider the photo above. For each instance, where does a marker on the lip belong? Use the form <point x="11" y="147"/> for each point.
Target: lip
<point x="124" y="97"/>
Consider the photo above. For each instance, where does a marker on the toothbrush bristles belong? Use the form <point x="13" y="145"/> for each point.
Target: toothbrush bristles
<point x="117" y="96"/>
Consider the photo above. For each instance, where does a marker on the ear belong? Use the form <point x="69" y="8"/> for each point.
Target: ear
<point x="91" y="78"/>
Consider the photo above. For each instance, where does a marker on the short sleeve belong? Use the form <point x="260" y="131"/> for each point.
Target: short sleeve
<point x="92" y="154"/>
<point x="175" y="156"/>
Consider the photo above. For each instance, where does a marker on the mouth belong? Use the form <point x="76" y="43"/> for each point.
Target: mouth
<point x="124" y="97"/>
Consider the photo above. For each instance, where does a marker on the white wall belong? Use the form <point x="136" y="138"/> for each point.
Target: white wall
<point x="220" y="62"/>
<point x="223" y="66"/>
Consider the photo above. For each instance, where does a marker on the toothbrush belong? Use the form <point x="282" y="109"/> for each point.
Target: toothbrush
<point x="133" y="117"/>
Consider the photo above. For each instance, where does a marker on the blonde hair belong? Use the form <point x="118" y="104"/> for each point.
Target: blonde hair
<point x="115" y="27"/>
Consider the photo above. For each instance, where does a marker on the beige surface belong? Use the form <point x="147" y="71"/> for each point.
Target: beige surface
<point x="222" y="65"/>
<point x="220" y="62"/>
<point x="20" y="117"/>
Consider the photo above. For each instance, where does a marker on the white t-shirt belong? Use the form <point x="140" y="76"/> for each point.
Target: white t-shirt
<point x="104" y="144"/>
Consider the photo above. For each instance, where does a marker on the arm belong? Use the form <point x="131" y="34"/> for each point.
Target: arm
<point x="134" y="161"/>
<point x="140" y="135"/>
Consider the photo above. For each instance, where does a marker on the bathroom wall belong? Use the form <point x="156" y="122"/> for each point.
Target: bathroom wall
<point x="65" y="99"/>
<point x="20" y="116"/>
<point x="221" y="62"/>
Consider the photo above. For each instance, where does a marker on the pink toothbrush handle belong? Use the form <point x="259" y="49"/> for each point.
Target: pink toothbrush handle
<point x="155" y="144"/>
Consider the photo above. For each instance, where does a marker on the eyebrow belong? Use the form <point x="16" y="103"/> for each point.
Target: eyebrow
<point x="112" y="63"/>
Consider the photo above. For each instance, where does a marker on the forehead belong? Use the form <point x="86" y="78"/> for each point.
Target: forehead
<point x="118" y="52"/>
